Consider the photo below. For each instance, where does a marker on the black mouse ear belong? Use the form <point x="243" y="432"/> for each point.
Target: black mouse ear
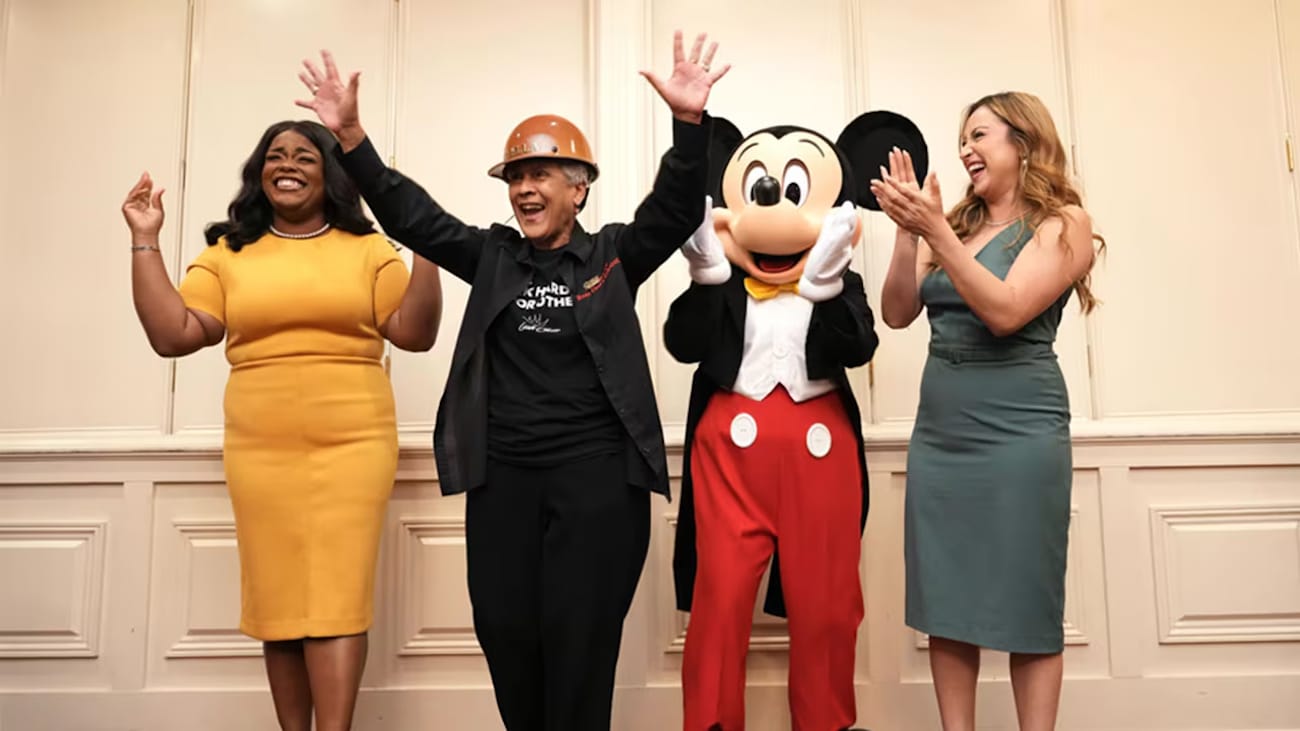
<point x="723" y="141"/>
<point x="866" y="142"/>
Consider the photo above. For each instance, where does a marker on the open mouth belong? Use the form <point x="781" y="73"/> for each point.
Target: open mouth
<point x="531" y="212"/>
<point x="284" y="183"/>
<point x="775" y="264"/>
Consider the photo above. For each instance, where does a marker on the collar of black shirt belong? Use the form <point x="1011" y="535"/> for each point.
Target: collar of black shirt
<point x="580" y="246"/>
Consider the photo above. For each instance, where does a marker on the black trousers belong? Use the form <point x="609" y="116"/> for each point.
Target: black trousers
<point x="554" y="557"/>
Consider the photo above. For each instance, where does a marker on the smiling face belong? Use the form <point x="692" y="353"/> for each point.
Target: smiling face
<point x="293" y="179"/>
<point x="777" y="189"/>
<point x="545" y="202"/>
<point x="990" y="155"/>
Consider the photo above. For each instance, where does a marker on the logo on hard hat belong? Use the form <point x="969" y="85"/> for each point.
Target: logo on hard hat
<point x="544" y="145"/>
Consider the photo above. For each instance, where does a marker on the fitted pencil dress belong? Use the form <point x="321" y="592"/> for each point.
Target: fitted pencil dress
<point x="987" y="507"/>
<point x="310" y="433"/>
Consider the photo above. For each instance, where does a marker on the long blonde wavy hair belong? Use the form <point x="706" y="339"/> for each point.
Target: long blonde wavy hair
<point x="1044" y="185"/>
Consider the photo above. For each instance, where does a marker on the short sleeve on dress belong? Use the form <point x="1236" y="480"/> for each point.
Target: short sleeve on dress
<point x="201" y="287"/>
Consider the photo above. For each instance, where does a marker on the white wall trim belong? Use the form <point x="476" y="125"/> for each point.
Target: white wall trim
<point x="416" y="440"/>
<point x="79" y="638"/>
<point x="1180" y="623"/>
<point x="416" y="536"/>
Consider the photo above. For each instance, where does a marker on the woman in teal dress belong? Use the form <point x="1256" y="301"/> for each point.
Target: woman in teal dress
<point x="989" y="465"/>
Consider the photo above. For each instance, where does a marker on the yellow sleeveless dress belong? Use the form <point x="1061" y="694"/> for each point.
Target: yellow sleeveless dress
<point x="310" y="432"/>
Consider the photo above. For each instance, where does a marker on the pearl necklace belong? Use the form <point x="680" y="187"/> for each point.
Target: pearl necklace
<point x="313" y="234"/>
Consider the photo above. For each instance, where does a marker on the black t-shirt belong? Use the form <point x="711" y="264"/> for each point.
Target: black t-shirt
<point x="546" y="405"/>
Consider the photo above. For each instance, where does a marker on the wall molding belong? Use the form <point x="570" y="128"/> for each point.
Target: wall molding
<point x="415" y="535"/>
<point x="208" y="641"/>
<point x="1183" y="624"/>
<point x="1076" y="621"/>
<point x="4" y="41"/>
<point x="80" y="637"/>
<point x="416" y="439"/>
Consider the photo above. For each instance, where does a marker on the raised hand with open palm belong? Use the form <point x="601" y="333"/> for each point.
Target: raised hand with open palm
<point x="334" y="102"/>
<point x="687" y="89"/>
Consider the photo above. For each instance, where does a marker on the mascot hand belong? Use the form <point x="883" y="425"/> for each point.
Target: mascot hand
<point x="703" y="250"/>
<point x="823" y="272"/>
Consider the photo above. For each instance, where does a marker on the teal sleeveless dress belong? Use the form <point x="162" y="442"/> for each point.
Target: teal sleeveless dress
<point x="987" y="508"/>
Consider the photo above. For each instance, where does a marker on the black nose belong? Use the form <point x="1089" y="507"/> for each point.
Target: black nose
<point x="766" y="191"/>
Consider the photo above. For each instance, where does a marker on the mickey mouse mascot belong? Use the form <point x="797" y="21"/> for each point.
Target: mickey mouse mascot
<point x="774" y="460"/>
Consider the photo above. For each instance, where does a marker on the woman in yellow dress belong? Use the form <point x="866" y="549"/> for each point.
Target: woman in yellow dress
<point x="304" y="292"/>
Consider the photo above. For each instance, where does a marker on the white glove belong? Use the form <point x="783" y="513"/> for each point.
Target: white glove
<point x="703" y="250"/>
<point x="823" y="272"/>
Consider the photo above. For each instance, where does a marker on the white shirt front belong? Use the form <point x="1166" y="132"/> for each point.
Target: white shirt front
<point x="776" y="334"/>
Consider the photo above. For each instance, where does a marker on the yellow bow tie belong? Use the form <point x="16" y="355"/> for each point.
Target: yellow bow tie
<point x="761" y="290"/>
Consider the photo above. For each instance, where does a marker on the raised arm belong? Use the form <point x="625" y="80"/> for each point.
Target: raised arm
<point x="900" y="298"/>
<point x="403" y="208"/>
<point x="675" y="206"/>
<point x="172" y="328"/>
<point x="1058" y="256"/>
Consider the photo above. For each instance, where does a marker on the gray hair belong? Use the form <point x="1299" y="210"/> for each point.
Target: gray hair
<point x="577" y="173"/>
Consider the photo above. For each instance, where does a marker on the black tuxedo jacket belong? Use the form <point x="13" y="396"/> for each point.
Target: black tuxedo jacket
<point x="706" y="325"/>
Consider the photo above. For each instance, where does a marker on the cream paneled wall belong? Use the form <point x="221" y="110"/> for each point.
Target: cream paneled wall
<point x="73" y="132"/>
<point x="117" y="554"/>
<point x="932" y="87"/>
<point x="244" y="59"/>
<point x="1200" y="278"/>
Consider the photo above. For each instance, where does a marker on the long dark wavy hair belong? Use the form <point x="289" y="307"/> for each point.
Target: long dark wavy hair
<point x="249" y="214"/>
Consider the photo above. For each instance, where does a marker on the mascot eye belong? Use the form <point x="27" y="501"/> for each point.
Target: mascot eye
<point x="796" y="182"/>
<point x="755" y="173"/>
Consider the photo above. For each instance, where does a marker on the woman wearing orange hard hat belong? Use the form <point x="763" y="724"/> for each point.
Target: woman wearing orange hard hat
<point x="548" y="420"/>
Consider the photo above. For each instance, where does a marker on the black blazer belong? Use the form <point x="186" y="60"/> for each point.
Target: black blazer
<point x="706" y="325"/>
<point x="603" y="270"/>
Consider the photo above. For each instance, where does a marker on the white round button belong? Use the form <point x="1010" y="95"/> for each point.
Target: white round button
<point x="744" y="430"/>
<point x="819" y="440"/>
<point x="780" y="351"/>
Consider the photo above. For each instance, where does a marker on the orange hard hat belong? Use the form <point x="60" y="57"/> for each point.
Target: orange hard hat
<point x="545" y="136"/>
